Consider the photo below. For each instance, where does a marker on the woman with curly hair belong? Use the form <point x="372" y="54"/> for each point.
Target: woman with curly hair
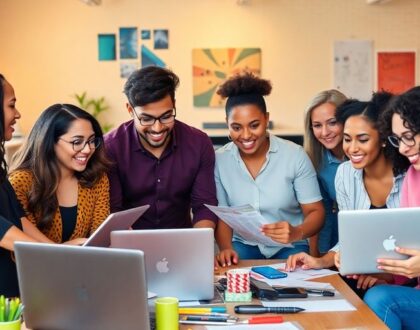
<point x="59" y="174"/>
<point x="399" y="306"/>
<point x="273" y="175"/>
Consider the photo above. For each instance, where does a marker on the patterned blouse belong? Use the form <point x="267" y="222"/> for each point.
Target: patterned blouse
<point x="92" y="206"/>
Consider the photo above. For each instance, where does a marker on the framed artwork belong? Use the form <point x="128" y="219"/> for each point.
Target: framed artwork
<point x="106" y="47"/>
<point x="128" y="43"/>
<point x="212" y="66"/>
<point x="148" y="58"/>
<point x="396" y="71"/>
<point x="145" y="34"/>
<point x="161" y="39"/>
<point x="127" y="68"/>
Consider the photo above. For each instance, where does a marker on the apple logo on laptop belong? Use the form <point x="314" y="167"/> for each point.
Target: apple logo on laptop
<point x="389" y="243"/>
<point x="162" y="266"/>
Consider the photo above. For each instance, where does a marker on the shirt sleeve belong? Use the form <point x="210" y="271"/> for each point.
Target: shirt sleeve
<point x="21" y="182"/>
<point x="222" y="197"/>
<point x="115" y="189"/>
<point x="343" y="198"/>
<point x="5" y="225"/>
<point x="204" y="188"/>
<point x="306" y="182"/>
<point x="102" y="203"/>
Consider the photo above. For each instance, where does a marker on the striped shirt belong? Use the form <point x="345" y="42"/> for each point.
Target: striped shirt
<point x="351" y="192"/>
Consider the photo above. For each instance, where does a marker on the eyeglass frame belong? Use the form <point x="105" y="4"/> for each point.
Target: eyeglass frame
<point x="409" y="142"/>
<point x="86" y="142"/>
<point x="156" y="118"/>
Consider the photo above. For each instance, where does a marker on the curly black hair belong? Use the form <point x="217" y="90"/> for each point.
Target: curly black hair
<point x="372" y="111"/>
<point x="248" y="88"/>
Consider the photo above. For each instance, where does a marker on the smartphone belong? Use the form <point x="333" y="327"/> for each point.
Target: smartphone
<point x="268" y="272"/>
<point x="291" y="292"/>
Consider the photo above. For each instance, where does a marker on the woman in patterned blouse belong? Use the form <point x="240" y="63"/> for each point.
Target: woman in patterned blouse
<point x="59" y="174"/>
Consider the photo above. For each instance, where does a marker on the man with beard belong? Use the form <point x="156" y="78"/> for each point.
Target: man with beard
<point x="159" y="160"/>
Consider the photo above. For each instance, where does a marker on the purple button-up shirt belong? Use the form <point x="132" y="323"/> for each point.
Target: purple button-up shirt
<point x="180" y="180"/>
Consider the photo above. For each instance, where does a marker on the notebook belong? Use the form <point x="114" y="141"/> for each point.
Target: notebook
<point x="179" y="262"/>
<point x="115" y="221"/>
<point x="72" y="287"/>
<point x="366" y="235"/>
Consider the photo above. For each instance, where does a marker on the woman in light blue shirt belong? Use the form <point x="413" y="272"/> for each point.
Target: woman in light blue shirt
<point x="324" y="144"/>
<point x="368" y="180"/>
<point x="273" y="175"/>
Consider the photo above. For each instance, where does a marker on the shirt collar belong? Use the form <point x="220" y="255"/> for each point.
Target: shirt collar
<point x="331" y="158"/>
<point x="235" y="150"/>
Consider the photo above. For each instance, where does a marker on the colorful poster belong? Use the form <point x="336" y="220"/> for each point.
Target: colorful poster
<point x="353" y="68"/>
<point x="211" y="67"/>
<point x="106" y="47"/>
<point x="396" y="71"/>
<point x="128" y="43"/>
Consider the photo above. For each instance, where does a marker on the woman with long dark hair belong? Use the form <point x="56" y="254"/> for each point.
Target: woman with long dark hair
<point x="59" y="174"/>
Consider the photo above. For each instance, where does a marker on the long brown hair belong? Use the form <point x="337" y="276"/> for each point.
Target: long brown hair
<point x="3" y="165"/>
<point x="37" y="155"/>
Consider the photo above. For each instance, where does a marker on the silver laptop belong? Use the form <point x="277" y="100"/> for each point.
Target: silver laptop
<point x="85" y="288"/>
<point x="115" y="221"/>
<point x="179" y="262"/>
<point x="366" y="235"/>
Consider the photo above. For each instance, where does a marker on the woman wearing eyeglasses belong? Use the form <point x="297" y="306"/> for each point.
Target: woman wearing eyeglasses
<point x="399" y="306"/>
<point x="59" y="174"/>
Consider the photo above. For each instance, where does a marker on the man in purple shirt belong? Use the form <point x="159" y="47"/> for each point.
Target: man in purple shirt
<point x="158" y="160"/>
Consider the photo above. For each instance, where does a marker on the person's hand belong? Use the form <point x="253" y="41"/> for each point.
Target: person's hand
<point x="304" y="260"/>
<point x="282" y="232"/>
<point x="76" y="241"/>
<point x="337" y="260"/>
<point x="367" y="281"/>
<point x="409" y="267"/>
<point x="226" y="258"/>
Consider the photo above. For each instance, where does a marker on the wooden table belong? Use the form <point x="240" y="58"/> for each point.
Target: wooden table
<point x="362" y="318"/>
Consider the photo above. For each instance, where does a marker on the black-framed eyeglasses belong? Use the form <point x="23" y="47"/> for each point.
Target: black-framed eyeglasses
<point x="80" y="144"/>
<point x="167" y="118"/>
<point x="409" y="141"/>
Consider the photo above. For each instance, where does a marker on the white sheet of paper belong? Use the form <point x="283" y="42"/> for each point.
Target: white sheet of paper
<point x="278" y="326"/>
<point x="328" y="305"/>
<point x="246" y="222"/>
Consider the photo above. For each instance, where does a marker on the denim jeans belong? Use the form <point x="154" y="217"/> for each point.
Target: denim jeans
<point x="246" y="251"/>
<point x="398" y="306"/>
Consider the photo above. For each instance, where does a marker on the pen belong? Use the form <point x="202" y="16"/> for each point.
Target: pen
<point x="207" y="318"/>
<point x="200" y="310"/>
<point x="258" y="309"/>
<point x="325" y="293"/>
<point x="262" y="320"/>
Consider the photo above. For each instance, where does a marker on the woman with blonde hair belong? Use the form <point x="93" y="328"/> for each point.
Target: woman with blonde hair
<point x="323" y="143"/>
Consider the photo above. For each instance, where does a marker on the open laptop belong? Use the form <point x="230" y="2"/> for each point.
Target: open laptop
<point x="179" y="262"/>
<point x="366" y="235"/>
<point x="86" y="288"/>
<point x="115" y="221"/>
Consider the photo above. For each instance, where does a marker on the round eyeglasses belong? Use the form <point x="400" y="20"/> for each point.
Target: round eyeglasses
<point x="409" y="141"/>
<point x="166" y="118"/>
<point x="80" y="144"/>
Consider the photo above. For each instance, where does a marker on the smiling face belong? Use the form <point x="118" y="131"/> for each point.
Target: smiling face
<point x="327" y="130"/>
<point x="11" y="114"/>
<point x="248" y="128"/>
<point x="156" y="136"/>
<point x="69" y="160"/>
<point x="411" y="152"/>
<point x="361" y="143"/>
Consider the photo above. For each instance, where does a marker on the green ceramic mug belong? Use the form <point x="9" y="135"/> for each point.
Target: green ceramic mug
<point x="167" y="317"/>
<point x="12" y="325"/>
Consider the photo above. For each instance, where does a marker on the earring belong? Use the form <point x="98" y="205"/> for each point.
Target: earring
<point x="229" y="137"/>
<point x="384" y="145"/>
